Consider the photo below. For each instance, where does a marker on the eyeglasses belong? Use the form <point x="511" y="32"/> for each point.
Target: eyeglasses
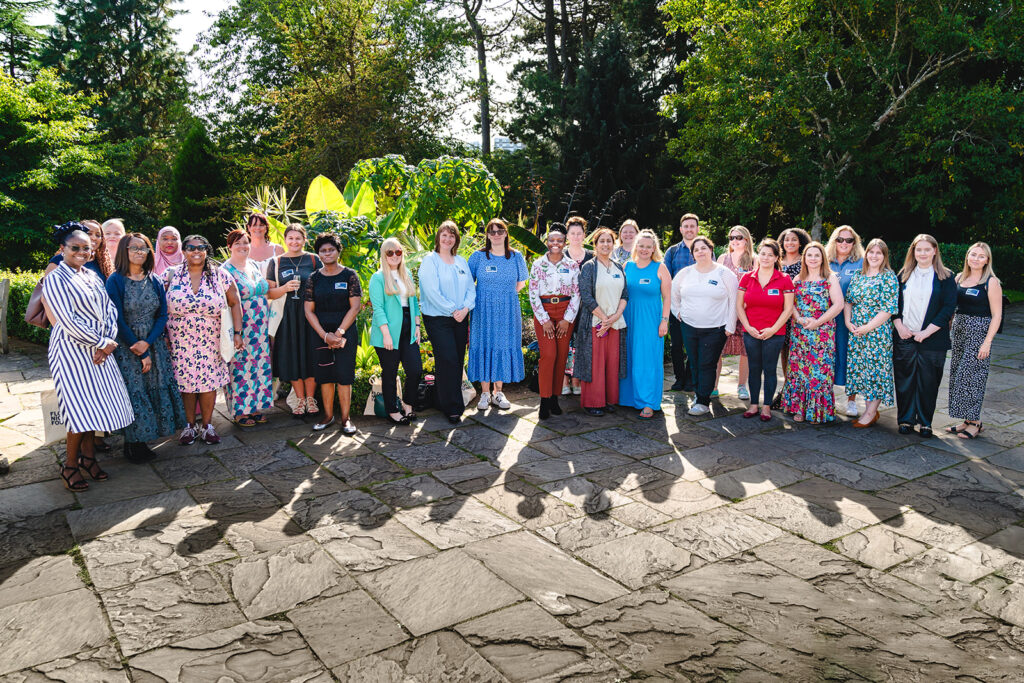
<point x="393" y="252"/>
<point x="496" y="231"/>
<point x="75" y="248"/>
<point x="733" y="238"/>
<point x="139" y="250"/>
<point x="194" y="247"/>
<point x="845" y="240"/>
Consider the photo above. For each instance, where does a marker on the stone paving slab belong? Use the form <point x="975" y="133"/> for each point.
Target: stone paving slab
<point x="43" y="630"/>
<point x="346" y="627"/>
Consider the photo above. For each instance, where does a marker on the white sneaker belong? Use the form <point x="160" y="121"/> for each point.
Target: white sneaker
<point x="699" y="409"/>
<point x="576" y="391"/>
<point x="499" y="401"/>
<point x="485" y="400"/>
<point x="851" y="408"/>
<point x="566" y="390"/>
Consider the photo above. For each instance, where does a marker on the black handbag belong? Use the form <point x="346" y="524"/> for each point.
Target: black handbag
<point x="426" y="393"/>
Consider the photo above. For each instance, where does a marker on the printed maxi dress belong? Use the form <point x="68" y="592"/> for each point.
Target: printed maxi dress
<point x="808" y="390"/>
<point x="193" y="329"/>
<point x="869" y="362"/>
<point x="250" y="389"/>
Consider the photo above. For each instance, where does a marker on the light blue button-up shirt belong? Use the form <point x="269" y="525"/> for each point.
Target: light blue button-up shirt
<point x="445" y="288"/>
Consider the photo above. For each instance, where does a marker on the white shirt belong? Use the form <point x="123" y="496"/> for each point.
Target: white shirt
<point x="705" y="300"/>
<point x="403" y="296"/>
<point x="608" y="293"/>
<point x="915" y="297"/>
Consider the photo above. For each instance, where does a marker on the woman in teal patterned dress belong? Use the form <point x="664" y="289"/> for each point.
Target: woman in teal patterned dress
<point x="871" y="301"/>
<point x="812" y="339"/>
<point x="251" y="384"/>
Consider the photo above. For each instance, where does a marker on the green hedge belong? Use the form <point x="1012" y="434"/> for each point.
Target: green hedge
<point x="1007" y="261"/>
<point x="22" y="284"/>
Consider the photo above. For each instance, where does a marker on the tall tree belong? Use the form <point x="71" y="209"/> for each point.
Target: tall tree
<point x="197" y="176"/>
<point x="20" y="39"/>
<point x="123" y="52"/>
<point x="799" y="108"/>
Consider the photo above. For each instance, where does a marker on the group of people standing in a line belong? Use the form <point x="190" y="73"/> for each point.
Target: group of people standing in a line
<point x="836" y="313"/>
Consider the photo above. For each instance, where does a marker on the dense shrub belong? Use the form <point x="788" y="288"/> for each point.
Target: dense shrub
<point x="22" y="284"/>
<point x="1008" y="261"/>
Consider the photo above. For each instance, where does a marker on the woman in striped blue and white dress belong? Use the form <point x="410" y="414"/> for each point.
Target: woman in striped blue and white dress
<point x="90" y="390"/>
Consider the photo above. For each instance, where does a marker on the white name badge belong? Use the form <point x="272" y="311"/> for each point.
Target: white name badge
<point x="773" y="292"/>
<point x="287" y="273"/>
<point x="972" y="292"/>
<point x="491" y="269"/>
<point x="645" y="281"/>
<point x="341" y="285"/>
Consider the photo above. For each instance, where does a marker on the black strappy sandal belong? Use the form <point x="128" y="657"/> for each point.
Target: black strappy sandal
<point x="91" y="467"/>
<point x="953" y="429"/>
<point x="967" y="435"/>
<point x="67" y="473"/>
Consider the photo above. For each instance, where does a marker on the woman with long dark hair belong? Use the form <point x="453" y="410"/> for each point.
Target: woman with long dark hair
<point x="90" y="390"/>
<point x="196" y="292"/>
<point x="143" y="356"/>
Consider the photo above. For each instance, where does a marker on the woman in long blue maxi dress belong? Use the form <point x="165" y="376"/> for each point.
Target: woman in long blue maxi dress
<point x="646" y="320"/>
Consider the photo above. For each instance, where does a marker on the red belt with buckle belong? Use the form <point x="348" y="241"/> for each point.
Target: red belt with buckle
<point x="554" y="299"/>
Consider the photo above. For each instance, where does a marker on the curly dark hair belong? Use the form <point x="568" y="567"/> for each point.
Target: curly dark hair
<point x="62" y="232"/>
<point x="327" y="238"/>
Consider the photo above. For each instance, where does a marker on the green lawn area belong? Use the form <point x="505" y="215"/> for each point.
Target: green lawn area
<point x="1015" y="295"/>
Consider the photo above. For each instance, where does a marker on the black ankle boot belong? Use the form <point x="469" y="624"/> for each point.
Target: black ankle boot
<point x="545" y="412"/>
<point x="554" y="407"/>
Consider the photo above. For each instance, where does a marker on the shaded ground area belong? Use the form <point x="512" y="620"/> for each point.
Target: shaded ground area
<point x="584" y="549"/>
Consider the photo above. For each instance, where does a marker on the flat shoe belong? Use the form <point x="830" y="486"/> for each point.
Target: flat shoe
<point x="348" y="429"/>
<point x="925" y="433"/>
<point x="596" y="412"/>
<point x="857" y="424"/>
<point x="750" y="413"/>
<point x="766" y="418"/>
<point x="906" y="429"/>
<point x="320" y="426"/>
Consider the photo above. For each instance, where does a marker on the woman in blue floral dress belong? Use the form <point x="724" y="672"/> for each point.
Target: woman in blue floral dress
<point x="812" y="339"/>
<point x="871" y="301"/>
<point x="496" y="328"/>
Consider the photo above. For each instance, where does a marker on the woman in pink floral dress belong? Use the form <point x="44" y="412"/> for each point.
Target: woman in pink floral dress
<point x="196" y="293"/>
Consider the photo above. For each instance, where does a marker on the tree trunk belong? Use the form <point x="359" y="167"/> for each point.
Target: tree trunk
<point x="484" y="91"/>
<point x="549" y="38"/>
<point x="566" y="38"/>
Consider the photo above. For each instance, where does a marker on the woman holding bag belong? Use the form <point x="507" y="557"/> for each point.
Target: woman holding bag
<point x="395" y="331"/>
<point x="291" y="353"/>
<point x="196" y="294"/>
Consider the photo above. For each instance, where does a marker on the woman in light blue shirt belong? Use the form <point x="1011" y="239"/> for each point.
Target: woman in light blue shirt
<point x="447" y="295"/>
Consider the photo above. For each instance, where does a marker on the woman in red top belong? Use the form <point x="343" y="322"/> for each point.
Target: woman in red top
<point x="764" y="304"/>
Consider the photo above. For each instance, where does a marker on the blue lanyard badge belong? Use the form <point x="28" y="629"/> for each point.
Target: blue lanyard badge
<point x="645" y="281"/>
<point x="341" y="285"/>
<point x="713" y="282"/>
<point x="286" y="273"/>
<point x="773" y="292"/>
<point x="563" y="270"/>
<point x="491" y="269"/>
<point x="972" y="292"/>
<point x="616" y="276"/>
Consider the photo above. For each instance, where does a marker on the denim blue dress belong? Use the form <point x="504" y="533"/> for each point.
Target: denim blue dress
<point x="496" y="326"/>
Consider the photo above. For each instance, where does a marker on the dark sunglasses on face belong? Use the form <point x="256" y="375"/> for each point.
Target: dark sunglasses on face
<point x="194" y="247"/>
<point x="393" y="252"/>
<point x="733" y="238"/>
<point x="75" y="248"/>
<point x="495" y="231"/>
<point x="845" y="240"/>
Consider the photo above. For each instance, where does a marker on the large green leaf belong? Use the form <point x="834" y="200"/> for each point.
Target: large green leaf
<point x="323" y="195"/>
<point x="363" y="204"/>
<point x="530" y="242"/>
<point x="275" y="231"/>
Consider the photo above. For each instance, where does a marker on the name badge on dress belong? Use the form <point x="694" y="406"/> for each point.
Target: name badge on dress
<point x="563" y="270"/>
<point x="773" y="292"/>
<point x="461" y="271"/>
<point x="491" y="269"/>
<point x="286" y="273"/>
<point x="616" y="276"/>
<point x="341" y="285"/>
<point x="972" y="292"/>
<point x="713" y="282"/>
<point x="645" y="281"/>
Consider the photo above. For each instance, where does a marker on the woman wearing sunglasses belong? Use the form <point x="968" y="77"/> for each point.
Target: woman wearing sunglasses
<point x="395" y="330"/>
<point x="89" y="387"/>
<point x="196" y="292"/>
<point x="845" y="255"/>
<point x="495" y="351"/>
<point x="142" y="356"/>
<point x="333" y="298"/>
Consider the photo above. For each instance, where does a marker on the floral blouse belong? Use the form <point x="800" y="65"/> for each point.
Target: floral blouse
<point x="554" y="279"/>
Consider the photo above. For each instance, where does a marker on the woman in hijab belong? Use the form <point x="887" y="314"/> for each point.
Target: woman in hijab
<point x="168" y="250"/>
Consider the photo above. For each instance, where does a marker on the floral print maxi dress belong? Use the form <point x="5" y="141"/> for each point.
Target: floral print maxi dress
<point x="808" y="390"/>
<point x="869" y="362"/>
<point x="193" y="329"/>
<point x="251" y="375"/>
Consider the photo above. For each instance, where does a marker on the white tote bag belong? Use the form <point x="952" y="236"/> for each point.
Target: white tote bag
<point x="227" y="327"/>
<point x="276" y="305"/>
<point x="53" y="423"/>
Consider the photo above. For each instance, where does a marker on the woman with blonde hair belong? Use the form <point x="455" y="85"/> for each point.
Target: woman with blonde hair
<point x="496" y="333"/>
<point x="979" y="311"/>
<point x="739" y="258"/>
<point x="818" y="299"/>
<point x="113" y="230"/>
<point x="395" y="330"/>
<point x="871" y="300"/>
<point x="926" y="305"/>
<point x="627" y="236"/>
<point x="649" y="291"/>
<point x="846" y="258"/>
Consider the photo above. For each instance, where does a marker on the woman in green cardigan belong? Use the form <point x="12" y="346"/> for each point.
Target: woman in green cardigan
<point x="395" y="331"/>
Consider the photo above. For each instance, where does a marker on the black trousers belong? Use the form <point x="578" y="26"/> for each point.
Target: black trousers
<point x="763" y="357"/>
<point x="682" y="367"/>
<point x="703" y="348"/>
<point x="449" y="339"/>
<point x="918" y="373"/>
<point x="408" y="354"/>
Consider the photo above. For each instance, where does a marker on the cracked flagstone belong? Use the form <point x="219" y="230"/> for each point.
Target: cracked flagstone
<point x="346" y="627"/>
<point x="441" y="657"/>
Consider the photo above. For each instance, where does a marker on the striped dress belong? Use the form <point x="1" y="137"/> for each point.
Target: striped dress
<point x="91" y="397"/>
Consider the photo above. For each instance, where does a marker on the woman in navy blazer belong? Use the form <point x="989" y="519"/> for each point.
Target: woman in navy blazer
<point x="927" y="302"/>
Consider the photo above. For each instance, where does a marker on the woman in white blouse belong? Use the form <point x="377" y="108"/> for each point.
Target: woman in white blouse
<point x="704" y="301"/>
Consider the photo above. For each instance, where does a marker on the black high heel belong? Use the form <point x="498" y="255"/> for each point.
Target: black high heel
<point x="66" y="473"/>
<point x="90" y="466"/>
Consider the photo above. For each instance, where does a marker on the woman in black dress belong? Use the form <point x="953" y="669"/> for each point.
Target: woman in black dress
<point x="332" y="302"/>
<point x="291" y="353"/>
